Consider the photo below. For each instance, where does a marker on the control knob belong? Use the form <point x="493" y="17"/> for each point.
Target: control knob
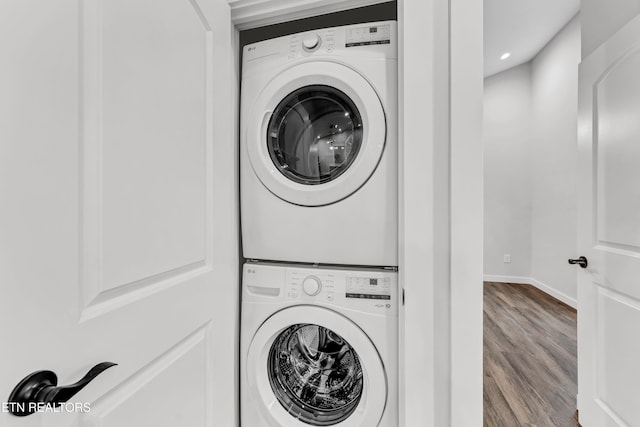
<point x="311" y="285"/>
<point x="311" y="42"/>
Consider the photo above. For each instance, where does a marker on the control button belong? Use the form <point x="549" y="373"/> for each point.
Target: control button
<point x="311" y="285"/>
<point x="330" y="296"/>
<point x="311" y="42"/>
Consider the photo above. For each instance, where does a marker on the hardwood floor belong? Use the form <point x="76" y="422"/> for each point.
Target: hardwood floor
<point x="530" y="363"/>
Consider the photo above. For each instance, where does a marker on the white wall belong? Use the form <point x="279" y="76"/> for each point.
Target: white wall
<point x="466" y="192"/>
<point x="440" y="99"/>
<point x="601" y="19"/>
<point x="530" y="168"/>
<point x="554" y="84"/>
<point x="507" y="174"/>
<point x="424" y="272"/>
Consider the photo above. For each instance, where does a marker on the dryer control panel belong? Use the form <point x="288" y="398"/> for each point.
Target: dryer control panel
<point x="368" y="40"/>
<point x="327" y="40"/>
<point x="365" y="290"/>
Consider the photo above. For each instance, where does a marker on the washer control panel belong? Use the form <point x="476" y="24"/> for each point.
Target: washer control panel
<point x="367" y="290"/>
<point x="369" y="287"/>
<point x="363" y="290"/>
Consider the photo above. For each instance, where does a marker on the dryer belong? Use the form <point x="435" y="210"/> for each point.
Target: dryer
<point x="319" y="147"/>
<point x="319" y="347"/>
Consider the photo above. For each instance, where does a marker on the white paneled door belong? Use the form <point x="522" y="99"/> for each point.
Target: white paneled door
<point x="609" y="233"/>
<point x="118" y="236"/>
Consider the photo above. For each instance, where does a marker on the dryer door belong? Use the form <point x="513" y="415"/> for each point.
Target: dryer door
<point x="316" y="133"/>
<point x="308" y="365"/>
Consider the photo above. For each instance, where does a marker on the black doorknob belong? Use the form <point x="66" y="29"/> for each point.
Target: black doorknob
<point x="41" y="388"/>
<point x="582" y="262"/>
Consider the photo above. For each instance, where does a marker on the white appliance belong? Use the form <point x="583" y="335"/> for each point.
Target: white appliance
<point x="319" y="147"/>
<point x="318" y="347"/>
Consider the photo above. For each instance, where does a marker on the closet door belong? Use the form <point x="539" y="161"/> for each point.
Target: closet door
<point x="117" y="221"/>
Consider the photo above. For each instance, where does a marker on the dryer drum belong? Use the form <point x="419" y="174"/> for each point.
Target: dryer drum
<point x="315" y="374"/>
<point x="314" y="134"/>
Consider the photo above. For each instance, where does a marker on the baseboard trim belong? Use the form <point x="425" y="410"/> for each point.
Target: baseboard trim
<point x="520" y="280"/>
<point x="555" y="293"/>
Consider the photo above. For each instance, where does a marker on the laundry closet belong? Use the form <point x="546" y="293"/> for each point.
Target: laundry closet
<point x="343" y="228"/>
<point x="319" y="214"/>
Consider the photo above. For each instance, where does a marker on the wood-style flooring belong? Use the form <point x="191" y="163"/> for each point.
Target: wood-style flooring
<point x="530" y="363"/>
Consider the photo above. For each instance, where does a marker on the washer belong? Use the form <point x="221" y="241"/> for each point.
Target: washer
<point x="318" y="347"/>
<point x="319" y="147"/>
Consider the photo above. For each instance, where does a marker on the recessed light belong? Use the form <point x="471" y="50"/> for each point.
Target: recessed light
<point x="505" y="56"/>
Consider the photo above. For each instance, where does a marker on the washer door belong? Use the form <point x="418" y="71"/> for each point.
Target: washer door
<point x="310" y="366"/>
<point x="316" y="133"/>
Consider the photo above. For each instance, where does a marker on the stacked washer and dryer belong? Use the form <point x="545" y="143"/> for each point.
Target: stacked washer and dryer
<point x="319" y="326"/>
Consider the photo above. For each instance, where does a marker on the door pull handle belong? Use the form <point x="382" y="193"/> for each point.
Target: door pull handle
<point x="582" y="262"/>
<point x="41" y="388"/>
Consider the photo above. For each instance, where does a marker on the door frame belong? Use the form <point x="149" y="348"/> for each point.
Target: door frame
<point x="440" y="196"/>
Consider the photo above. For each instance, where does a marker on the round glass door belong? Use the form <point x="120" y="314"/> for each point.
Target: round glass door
<point x="314" y="134"/>
<point x="315" y="374"/>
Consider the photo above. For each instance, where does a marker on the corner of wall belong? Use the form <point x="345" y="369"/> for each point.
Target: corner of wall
<point x="530" y="135"/>
<point x="554" y="79"/>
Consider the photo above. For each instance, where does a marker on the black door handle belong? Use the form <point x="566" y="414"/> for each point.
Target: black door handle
<point x="41" y="388"/>
<point x="582" y="262"/>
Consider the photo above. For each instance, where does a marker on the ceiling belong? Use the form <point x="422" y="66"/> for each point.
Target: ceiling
<point x="522" y="28"/>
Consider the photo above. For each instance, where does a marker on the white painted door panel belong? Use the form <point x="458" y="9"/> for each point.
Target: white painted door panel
<point x="118" y="208"/>
<point x="609" y="232"/>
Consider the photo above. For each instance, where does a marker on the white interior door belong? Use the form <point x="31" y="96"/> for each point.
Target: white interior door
<point x="118" y="233"/>
<point x="609" y="233"/>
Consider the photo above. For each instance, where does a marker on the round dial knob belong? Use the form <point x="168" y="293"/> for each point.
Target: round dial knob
<point x="311" y="285"/>
<point x="311" y="42"/>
